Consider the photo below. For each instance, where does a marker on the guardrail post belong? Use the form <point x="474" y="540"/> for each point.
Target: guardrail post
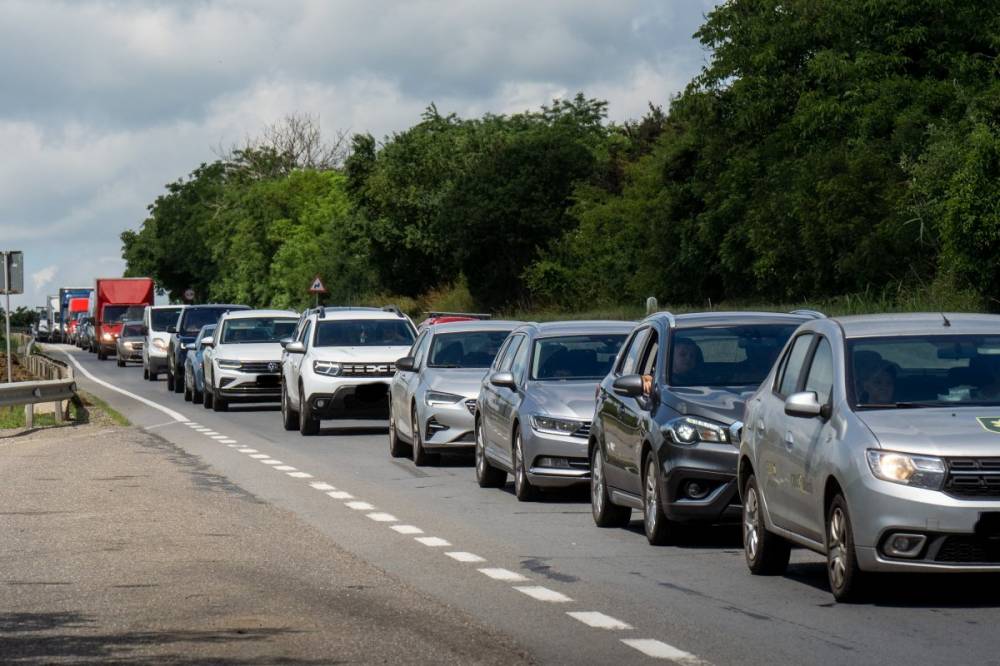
<point x="29" y="416"/>
<point x="58" y="411"/>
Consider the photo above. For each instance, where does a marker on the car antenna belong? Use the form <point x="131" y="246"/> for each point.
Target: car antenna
<point x="946" y="322"/>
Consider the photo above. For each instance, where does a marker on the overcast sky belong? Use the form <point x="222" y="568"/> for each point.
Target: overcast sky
<point x="103" y="103"/>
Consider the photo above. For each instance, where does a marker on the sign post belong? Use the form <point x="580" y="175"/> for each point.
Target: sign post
<point x="13" y="283"/>
<point x="317" y="288"/>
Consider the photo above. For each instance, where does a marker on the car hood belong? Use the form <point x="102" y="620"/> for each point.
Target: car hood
<point x="257" y="351"/>
<point x="723" y="405"/>
<point x="937" y="431"/>
<point x="360" y="354"/>
<point x="571" y="399"/>
<point x="460" y="381"/>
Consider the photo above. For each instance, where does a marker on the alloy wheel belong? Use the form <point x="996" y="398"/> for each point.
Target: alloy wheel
<point x="652" y="500"/>
<point x="751" y="524"/>
<point x="480" y="452"/>
<point x="597" y="482"/>
<point x="837" y="557"/>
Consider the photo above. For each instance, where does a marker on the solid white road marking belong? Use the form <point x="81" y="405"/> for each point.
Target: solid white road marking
<point x="227" y="441"/>
<point x="259" y="456"/>
<point x="285" y="468"/>
<point x="407" y="529"/>
<point x="598" y="620"/>
<point x="359" y="506"/>
<point x="660" y="650"/>
<point x="300" y="475"/>
<point x="543" y="594"/>
<point x="177" y="416"/>
<point x="379" y="517"/>
<point x="433" y="542"/>
<point x="462" y="556"/>
<point x="320" y="485"/>
<point x="247" y="450"/>
<point x="159" y="425"/>
<point x="340" y="494"/>
<point x="504" y="575"/>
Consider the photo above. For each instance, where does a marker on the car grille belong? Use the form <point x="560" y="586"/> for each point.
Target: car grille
<point x="261" y="367"/>
<point x="583" y="431"/>
<point x="968" y="550"/>
<point x="368" y="369"/>
<point x="470" y="404"/>
<point x="973" y="477"/>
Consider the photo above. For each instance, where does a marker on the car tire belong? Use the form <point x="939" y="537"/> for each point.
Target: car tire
<point x="178" y="384"/>
<point x="145" y="372"/>
<point x="523" y="490"/>
<point x="487" y="475"/>
<point x="658" y="528"/>
<point x="845" y="576"/>
<point x="397" y="449"/>
<point x="308" y="424"/>
<point x="101" y="356"/>
<point x="121" y="363"/>
<point x="605" y="512"/>
<point x="289" y="418"/>
<point x="197" y="397"/>
<point x="766" y="553"/>
<point x="170" y="380"/>
<point x="209" y="399"/>
<point x="421" y="457"/>
<point x="188" y="397"/>
<point x="219" y="404"/>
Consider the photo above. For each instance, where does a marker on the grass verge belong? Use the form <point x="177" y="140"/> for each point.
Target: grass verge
<point x="89" y="400"/>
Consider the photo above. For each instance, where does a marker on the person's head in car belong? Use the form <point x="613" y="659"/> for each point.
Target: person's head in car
<point x="686" y="357"/>
<point x="879" y="386"/>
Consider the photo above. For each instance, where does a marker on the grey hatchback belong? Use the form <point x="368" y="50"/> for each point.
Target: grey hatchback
<point x="535" y="405"/>
<point x="875" y="441"/>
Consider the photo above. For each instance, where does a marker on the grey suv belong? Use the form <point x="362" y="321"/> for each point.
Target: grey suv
<point x="666" y="425"/>
<point x="875" y="441"/>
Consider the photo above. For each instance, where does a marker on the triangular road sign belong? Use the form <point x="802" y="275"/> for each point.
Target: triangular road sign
<point x="317" y="286"/>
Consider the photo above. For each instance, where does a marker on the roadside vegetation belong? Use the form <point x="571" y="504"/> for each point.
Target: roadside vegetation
<point x="836" y="154"/>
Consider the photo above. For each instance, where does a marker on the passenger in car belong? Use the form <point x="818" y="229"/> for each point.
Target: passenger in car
<point x="879" y="387"/>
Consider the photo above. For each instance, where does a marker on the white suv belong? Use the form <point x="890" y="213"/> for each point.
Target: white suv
<point x="155" y="321"/>
<point x="242" y="359"/>
<point x="339" y="365"/>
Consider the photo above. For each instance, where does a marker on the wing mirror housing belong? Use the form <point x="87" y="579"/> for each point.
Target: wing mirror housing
<point x="805" y="405"/>
<point x="208" y="341"/>
<point x="406" y="364"/>
<point x="295" y="348"/>
<point x="284" y="342"/>
<point x="629" y="386"/>
<point x="503" y="379"/>
<point x="171" y="329"/>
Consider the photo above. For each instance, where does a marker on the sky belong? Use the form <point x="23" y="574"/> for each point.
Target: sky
<point x="104" y="103"/>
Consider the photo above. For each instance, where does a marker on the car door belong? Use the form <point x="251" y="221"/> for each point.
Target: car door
<point x="497" y="404"/>
<point x="207" y="355"/>
<point x="518" y="368"/>
<point x="806" y="440"/>
<point x="772" y="469"/>
<point x="634" y="418"/>
<point x="615" y="415"/>
<point x="294" y="363"/>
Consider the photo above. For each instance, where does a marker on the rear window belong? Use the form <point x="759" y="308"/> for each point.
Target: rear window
<point x="725" y="355"/>
<point x="575" y="356"/>
<point x="364" y="333"/>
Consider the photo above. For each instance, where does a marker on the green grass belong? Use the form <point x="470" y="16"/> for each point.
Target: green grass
<point x="13" y="417"/>
<point x="90" y="400"/>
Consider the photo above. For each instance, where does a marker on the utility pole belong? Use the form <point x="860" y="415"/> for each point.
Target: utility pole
<point x="6" y="312"/>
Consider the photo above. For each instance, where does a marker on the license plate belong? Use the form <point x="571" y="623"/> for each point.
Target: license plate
<point x="988" y="526"/>
<point x="268" y="381"/>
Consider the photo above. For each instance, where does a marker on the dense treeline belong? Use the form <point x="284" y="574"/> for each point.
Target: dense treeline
<point x="828" y="147"/>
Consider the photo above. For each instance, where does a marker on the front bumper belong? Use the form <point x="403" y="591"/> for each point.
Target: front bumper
<point x="448" y="426"/>
<point x="367" y="400"/>
<point x="127" y="354"/>
<point x="713" y="468"/>
<point x="236" y="386"/>
<point x="569" y="452"/>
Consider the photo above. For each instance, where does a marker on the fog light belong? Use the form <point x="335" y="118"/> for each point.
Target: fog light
<point x="696" y="490"/>
<point x="904" y="545"/>
<point x="547" y="461"/>
<point x="320" y="404"/>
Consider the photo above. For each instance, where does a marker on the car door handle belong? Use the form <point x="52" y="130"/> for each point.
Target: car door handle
<point x="789" y="439"/>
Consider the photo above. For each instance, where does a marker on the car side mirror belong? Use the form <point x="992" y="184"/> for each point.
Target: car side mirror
<point x="629" y="386"/>
<point x="171" y="329"/>
<point x="295" y="347"/>
<point x="284" y="342"/>
<point x="503" y="379"/>
<point x="406" y="364"/>
<point x="804" y="405"/>
<point x="208" y="341"/>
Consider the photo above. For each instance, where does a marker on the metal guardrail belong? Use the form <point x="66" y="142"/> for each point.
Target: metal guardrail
<point x="57" y="386"/>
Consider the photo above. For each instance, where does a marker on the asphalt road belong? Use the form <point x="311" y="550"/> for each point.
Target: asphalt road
<point x="581" y="594"/>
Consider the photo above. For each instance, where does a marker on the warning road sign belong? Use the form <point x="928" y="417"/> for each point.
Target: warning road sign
<point x="317" y="286"/>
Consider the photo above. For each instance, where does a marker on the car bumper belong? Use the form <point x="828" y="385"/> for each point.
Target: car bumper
<point x="712" y="467"/>
<point x="567" y="463"/>
<point x="448" y="426"/>
<point x="248" y="387"/>
<point x="134" y="355"/>
<point x="368" y="400"/>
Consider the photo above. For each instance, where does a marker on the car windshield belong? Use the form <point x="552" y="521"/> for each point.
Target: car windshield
<point x="471" y="349"/>
<point x="925" y="371"/>
<point x="575" y="356"/>
<point x="114" y="314"/>
<point x="715" y="356"/>
<point x="132" y="331"/>
<point x="195" y="318"/>
<point x="161" y="319"/>
<point x="249" y="330"/>
<point x="364" y="333"/>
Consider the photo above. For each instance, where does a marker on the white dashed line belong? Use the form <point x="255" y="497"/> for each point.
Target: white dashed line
<point x="227" y="441"/>
<point x="210" y="433"/>
<point x="272" y="462"/>
<point x="599" y="620"/>
<point x="359" y="506"/>
<point x="407" y="529"/>
<point x="246" y="450"/>
<point x="300" y="475"/>
<point x="285" y="468"/>
<point x="340" y="494"/>
<point x="192" y="424"/>
<point x="543" y="594"/>
<point x="232" y="446"/>
<point x="462" y="556"/>
<point x="259" y="456"/>
<point x="660" y="650"/>
<point x="319" y="485"/>
<point x="383" y="517"/>
<point x="433" y="542"/>
<point x="201" y="429"/>
<point x="504" y="574"/>
<point x="220" y="437"/>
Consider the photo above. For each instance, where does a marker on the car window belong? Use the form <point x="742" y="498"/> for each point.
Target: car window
<point x="465" y="349"/>
<point x="306" y="338"/>
<point x="587" y="356"/>
<point x="420" y="348"/>
<point x="364" y="333"/>
<point x="255" y="330"/>
<point x="160" y="319"/>
<point x="649" y="357"/>
<point x="508" y="357"/>
<point x="502" y="354"/>
<point x="520" y="363"/>
<point x="630" y="359"/>
<point x="820" y="378"/>
<point x="728" y="355"/>
<point x="793" y="364"/>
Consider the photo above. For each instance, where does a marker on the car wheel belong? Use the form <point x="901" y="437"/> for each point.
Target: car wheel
<point x="766" y="553"/>
<point x="197" y="397"/>
<point x="289" y="418"/>
<point x="523" y="490"/>
<point x="121" y="363"/>
<point x="170" y="380"/>
<point x="219" y="403"/>
<point x="846" y="578"/>
<point x="145" y="372"/>
<point x="606" y="513"/>
<point x="308" y="424"/>
<point x="420" y="455"/>
<point x="487" y="475"/>
<point x="188" y="396"/>
<point x="209" y="398"/>
<point x="658" y="528"/>
<point x="396" y="447"/>
<point x="178" y="384"/>
<point x="101" y="356"/>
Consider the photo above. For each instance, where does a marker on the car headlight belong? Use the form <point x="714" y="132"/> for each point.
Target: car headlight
<point x="689" y="430"/>
<point x="159" y="343"/>
<point x="910" y="470"/>
<point x="107" y="337"/>
<point x="328" y="368"/>
<point x="433" y="398"/>
<point x="555" y="426"/>
<point x="228" y="364"/>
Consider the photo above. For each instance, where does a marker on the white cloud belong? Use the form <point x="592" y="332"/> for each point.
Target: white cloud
<point x="44" y="277"/>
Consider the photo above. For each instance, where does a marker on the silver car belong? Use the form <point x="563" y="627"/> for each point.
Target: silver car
<point x="432" y="396"/>
<point x="535" y="406"/>
<point x="875" y="441"/>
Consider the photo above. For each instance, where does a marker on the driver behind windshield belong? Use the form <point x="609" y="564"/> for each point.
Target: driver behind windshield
<point x="687" y="358"/>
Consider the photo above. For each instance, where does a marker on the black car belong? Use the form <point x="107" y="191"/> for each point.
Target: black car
<point x="665" y="436"/>
<point x="184" y="335"/>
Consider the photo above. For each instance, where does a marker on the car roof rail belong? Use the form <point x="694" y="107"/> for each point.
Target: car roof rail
<point x="671" y="319"/>
<point x="392" y="308"/>
<point x="473" y="315"/>
<point x="806" y="312"/>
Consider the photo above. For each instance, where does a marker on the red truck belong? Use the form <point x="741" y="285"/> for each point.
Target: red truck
<point x="117" y="300"/>
<point x="77" y="308"/>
